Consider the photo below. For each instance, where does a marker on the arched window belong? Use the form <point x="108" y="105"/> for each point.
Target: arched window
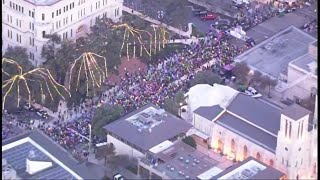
<point x="258" y="156"/>
<point x="271" y="162"/>
<point x="220" y="145"/>
<point x="233" y="145"/>
<point x="245" y="152"/>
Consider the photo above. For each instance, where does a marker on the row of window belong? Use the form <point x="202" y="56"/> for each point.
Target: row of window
<point x="16" y="7"/>
<point x="18" y="36"/>
<point x="65" y="22"/>
<point x="9" y="20"/>
<point x="31" y="55"/>
<point x="31" y="14"/>
<point x="65" y="9"/>
<point x="31" y="41"/>
<point x="289" y="126"/>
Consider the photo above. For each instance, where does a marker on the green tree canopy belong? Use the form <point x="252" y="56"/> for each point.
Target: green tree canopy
<point x="19" y="54"/>
<point x="104" y="116"/>
<point x="171" y="106"/>
<point x="241" y="71"/>
<point x="190" y="141"/>
<point x="206" y="77"/>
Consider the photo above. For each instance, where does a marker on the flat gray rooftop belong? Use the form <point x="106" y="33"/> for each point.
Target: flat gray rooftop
<point x="169" y="126"/>
<point x="183" y="158"/>
<point x="303" y="62"/>
<point x="273" y="55"/>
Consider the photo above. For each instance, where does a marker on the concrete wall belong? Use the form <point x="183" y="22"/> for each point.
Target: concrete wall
<point x="303" y="89"/>
<point x="123" y="149"/>
<point x="202" y="124"/>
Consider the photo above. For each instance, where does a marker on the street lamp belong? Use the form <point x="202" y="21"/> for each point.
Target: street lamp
<point x="90" y="137"/>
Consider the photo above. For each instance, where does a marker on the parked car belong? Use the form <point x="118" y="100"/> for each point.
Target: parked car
<point x="200" y="13"/>
<point x="250" y="42"/>
<point x="221" y="22"/>
<point x="209" y="16"/>
<point x="254" y="92"/>
<point x="118" y="177"/>
<point x="42" y="114"/>
<point x="28" y="107"/>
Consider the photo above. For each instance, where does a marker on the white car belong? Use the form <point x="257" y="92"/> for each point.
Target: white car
<point x="241" y="2"/>
<point x="254" y="92"/>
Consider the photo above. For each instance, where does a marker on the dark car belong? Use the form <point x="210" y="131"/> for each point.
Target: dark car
<point x="250" y="42"/>
<point x="221" y="23"/>
<point x="42" y="113"/>
<point x="200" y="13"/>
<point x="28" y="107"/>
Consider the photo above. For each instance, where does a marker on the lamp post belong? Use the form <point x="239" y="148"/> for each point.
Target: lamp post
<point x="90" y="137"/>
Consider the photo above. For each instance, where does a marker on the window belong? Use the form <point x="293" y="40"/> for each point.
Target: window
<point x="8" y="33"/>
<point x="29" y="13"/>
<point x="67" y="8"/>
<point x="52" y="14"/>
<point x="19" y="8"/>
<point x="20" y="23"/>
<point x="71" y="33"/>
<point x="84" y="11"/>
<point x="43" y="17"/>
<point x="73" y="5"/>
<point x="43" y="34"/>
<point x="59" y="11"/>
<point x="66" y="20"/>
<point x="14" y="6"/>
<point x="30" y="41"/>
<point x="301" y="129"/>
<point x="286" y="148"/>
<point x="290" y="128"/>
<point x="71" y="18"/>
<point x="32" y="26"/>
<point x="286" y="128"/>
<point x="64" y="9"/>
<point x="32" y="14"/>
<point x="67" y="35"/>
<point x="70" y="6"/>
<point x="99" y="4"/>
<point x="22" y="9"/>
<point x="10" y="4"/>
<point x="17" y="22"/>
<point x="17" y="38"/>
<point x="20" y="38"/>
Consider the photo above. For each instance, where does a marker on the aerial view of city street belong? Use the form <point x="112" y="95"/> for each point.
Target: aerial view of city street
<point x="159" y="89"/>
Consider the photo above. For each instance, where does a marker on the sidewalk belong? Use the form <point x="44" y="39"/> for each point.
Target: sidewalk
<point x="154" y="21"/>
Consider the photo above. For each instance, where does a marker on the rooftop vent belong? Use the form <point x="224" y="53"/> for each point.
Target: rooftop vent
<point x="145" y="118"/>
<point x="32" y="154"/>
<point x="139" y="130"/>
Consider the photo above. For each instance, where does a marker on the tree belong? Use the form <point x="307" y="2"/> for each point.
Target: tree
<point x="49" y="50"/>
<point x="105" y="151"/>
<point x="104" y="116"/>
<point x="256" y="77"/>
<point x="19" y="54"/>
<point x="190" y="141"/>
<point x="179" y="98"/>
<point x="205" y="77"/>
<point x="241" y="71"/>
<point x="171" y="106"/>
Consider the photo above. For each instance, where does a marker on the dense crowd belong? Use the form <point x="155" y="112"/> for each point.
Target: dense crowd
<point x="168" y="76"/>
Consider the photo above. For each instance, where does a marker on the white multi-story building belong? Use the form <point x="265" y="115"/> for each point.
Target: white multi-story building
<point x="26" y="22"/>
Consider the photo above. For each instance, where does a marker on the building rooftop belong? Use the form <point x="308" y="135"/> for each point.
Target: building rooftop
<point x="208" y="112"/>
<point x="295" y="112"/>
<point x="273" y="55"/>
<point x="42" y="2"/>
<point x="148" y="127"/>
<point x="181" y="161"/>
<point x="251" y="109"/>
<point x="304" y="61"/>
<point x="248" y="131"/>
<point x="47" y="160"/>
<point x="250" y="168"/>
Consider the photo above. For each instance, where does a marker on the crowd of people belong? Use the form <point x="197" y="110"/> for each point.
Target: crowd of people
<point x="164" y="79"/>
